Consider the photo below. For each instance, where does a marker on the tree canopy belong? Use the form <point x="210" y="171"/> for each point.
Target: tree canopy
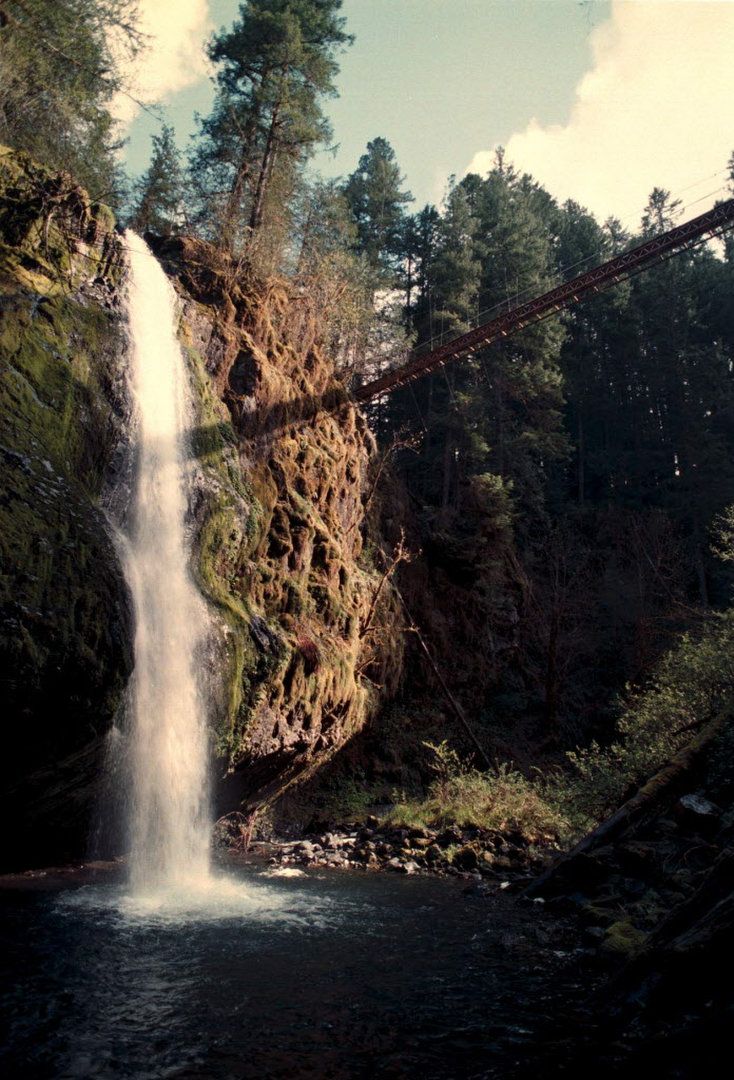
<point x="60" y="66"/>
<point x="274" y="67"/>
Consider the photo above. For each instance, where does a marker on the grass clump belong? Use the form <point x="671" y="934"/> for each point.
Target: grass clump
<point x="502" y="800"/>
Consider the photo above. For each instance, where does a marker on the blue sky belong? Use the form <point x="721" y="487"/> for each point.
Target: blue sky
<point x="599" y="99"/>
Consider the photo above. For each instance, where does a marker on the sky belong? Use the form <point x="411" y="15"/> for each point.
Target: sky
<point x="601" y="100"/>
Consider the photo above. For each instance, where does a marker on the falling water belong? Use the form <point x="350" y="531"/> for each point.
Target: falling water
<point x="169" y="826"/>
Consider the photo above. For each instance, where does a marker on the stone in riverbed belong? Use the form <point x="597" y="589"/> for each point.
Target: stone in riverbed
<point x="479" y="889"/>
<point x="697" y="814"/>
<point x="466" y="859"/>
<point x="401" y="867"/>
<point x="623" y="938"/>
<point x="449" y="836"/>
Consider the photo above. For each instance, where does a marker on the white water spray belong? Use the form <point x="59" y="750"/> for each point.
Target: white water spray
<point x="169" y="825"/>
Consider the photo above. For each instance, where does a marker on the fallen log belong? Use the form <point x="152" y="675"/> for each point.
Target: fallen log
<point x="643" y="803"/>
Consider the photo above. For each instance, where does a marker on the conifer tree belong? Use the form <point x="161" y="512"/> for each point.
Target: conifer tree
<point x="518" y="400"/>
<point x="376" y="196"/>
<point x="660" y="213"/>
<point x="58" y="74"/>
<point x="456" y="265"/>
<point x="158" y="193"/>
<point x="275" y="66"/>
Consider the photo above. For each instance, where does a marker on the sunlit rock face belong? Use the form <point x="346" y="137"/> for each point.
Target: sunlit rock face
<point x="281" y="471"/>
<point x="286" y="465"/>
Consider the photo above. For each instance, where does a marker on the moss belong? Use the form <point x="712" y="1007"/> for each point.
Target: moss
<point x="228" y="533"/>
<point x="65" y="631"/>
<point x="623" y="938"/>
<point x="54" y="238"/>
<point x="278" y="521"/>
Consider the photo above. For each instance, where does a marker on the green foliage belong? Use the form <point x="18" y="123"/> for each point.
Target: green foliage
<point x="502" y="800"/>
<point x="159" y="192"/>
<point x="691" y="684"/>
<point x="349" y="798"/>
<point x="376" y="198"/>
<point x="722" y="532"/>
<point x="660" y="213"/>
<point x="59" y="70"/>
<point x="610" y="431"/>
<point x="337" y="278"/>
<point x="456" y="266"/>
<point x="274" y="67"/>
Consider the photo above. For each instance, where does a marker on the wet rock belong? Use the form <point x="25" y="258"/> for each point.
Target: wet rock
<point x="636" y="857"/>
<point x="478" y="890"/>
<point x="449" y="836"/>
<point x="466" y="858"/>
<point x="697" y="814"/>
<point x="419" y="832"/>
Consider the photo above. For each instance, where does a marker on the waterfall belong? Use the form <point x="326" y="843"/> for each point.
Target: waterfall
<point x="169" y="807"/>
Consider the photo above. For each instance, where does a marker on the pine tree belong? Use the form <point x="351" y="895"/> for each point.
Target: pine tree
<point x="660" y="213"/>
<point x="519" y="400"/>
<point x="375" y="194"/>
<point x="275" y="65"/>
<point x="158" y="203"/>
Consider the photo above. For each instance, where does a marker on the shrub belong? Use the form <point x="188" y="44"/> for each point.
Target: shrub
<point x="690" y="685"/>
<point x="502" y="800"/>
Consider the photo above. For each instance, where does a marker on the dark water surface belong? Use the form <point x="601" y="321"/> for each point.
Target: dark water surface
<point x="329" y="975"/>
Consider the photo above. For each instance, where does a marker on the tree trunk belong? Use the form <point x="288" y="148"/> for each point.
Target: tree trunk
<point x="234" y="200"/>
<point x="581" y="460"/>
<point x="643" y="802"/>
<point x="266" y="169"/>
<point x="551" y="672"/>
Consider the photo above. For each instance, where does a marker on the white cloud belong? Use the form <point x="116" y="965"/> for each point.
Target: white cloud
<point x="655" y="108"/>
<point x="174" y="55"/>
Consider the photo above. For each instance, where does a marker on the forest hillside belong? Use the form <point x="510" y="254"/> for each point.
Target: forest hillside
<point x="481" y="626"/>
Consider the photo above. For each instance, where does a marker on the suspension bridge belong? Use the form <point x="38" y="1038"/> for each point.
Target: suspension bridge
<point x="622" y="267"/>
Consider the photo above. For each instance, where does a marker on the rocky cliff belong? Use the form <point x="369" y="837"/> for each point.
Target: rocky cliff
<point x="64" y="616"/>
<point x="282" y="466"/>
<point x="286" y="465"/>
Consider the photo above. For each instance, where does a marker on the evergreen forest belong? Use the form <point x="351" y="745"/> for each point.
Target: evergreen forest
<point x="480" y="628"/>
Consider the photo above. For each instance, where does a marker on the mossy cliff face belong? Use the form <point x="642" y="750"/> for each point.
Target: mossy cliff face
<point x="281" y="465"/>
<point x="284" y="468"/>
<point x="64" y="613"/>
